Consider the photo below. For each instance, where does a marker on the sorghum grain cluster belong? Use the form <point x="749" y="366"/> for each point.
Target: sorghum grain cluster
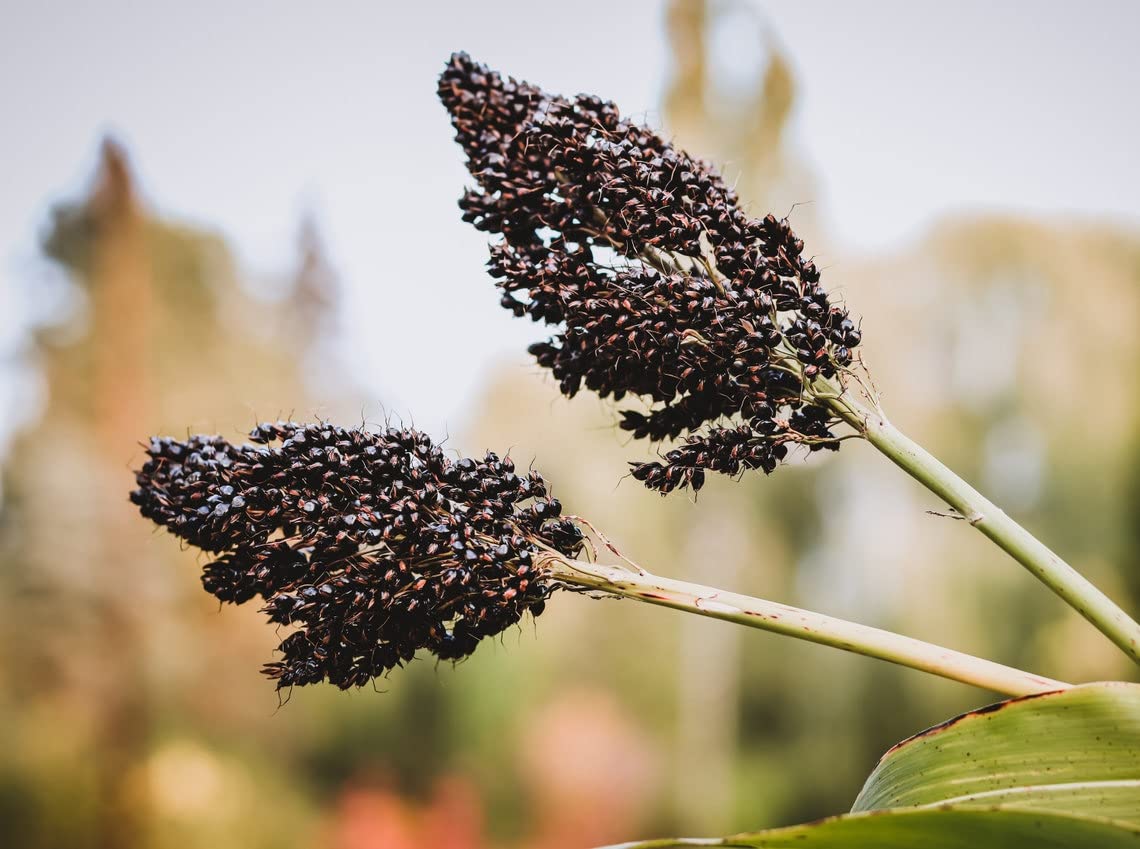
<point x="659" y="284"/>
<point x="374" y="544"/>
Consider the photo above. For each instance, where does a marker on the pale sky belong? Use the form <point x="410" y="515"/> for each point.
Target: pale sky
<point x="241" y="115"/>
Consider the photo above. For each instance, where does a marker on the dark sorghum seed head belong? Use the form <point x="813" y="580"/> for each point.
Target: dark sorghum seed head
<point x="372" y="543"/>
<point x="659" y="285"/>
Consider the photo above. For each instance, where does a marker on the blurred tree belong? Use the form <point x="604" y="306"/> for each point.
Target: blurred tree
<point x="158" y="336"/>
<point x="313" y="316"/>
<point x="731" y="97"/>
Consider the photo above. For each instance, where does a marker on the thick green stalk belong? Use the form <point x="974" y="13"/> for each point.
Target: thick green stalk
<point x="984" y="515"/>
<point x="801" y="624"/>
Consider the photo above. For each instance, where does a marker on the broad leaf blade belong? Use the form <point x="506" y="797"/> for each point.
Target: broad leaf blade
<point x="1082" y="736"/>
<point x="931" y="828"/>
<point x="1115" y="800"/>
<point x="1054" y="771"/>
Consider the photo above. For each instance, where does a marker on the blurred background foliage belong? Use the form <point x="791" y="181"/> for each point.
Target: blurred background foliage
<point x="131" y="711"/>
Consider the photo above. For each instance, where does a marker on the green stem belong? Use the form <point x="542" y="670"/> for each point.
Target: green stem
<point x="801" y="624"/>
<point x="984" y="515"/>
<point x="678" y="843"/>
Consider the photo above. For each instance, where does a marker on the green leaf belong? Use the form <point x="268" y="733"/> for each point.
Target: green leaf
<point x="1075" y="751"/>
<point x="931" y="828"/>
<point x="1041" y="772"/>
<point x="1115" y="800"/>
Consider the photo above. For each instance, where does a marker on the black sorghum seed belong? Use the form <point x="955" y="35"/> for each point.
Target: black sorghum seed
<point x="373" y="543"/>
<point x="659" y="284"/>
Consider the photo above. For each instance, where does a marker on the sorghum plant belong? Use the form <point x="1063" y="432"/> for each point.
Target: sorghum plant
<point x="659" y="286"/>
<point x="374" y="545"/>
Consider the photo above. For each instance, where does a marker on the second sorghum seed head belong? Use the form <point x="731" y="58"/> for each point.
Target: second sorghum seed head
<point x="372" y="544"/>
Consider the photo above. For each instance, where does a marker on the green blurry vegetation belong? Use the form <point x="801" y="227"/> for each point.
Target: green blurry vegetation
<point x="131" y="712"/>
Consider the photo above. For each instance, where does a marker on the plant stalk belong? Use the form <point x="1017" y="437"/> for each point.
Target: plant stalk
<point x="975" y="508"/>
<point x="801" y="624"/>
<point x="678" y="843"/>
